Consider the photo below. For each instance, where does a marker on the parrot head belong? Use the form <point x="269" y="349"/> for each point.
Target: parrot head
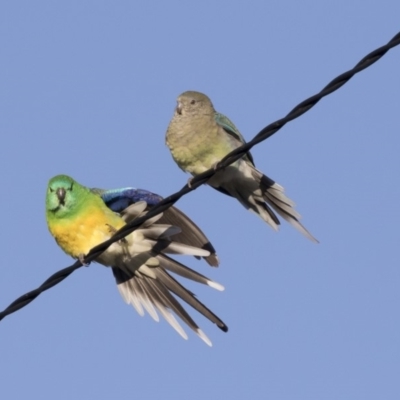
<point x="62" y="196"/>
<point x="194" y="103"/>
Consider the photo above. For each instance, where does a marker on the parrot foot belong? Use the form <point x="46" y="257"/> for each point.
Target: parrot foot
<point x="215" y="166"/>
<point x="81" y="258"/>
<point x="113" y="231"/>
<point x="189" y="182"/>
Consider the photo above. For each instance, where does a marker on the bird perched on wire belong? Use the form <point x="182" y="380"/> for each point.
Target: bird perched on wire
<point x="199" y="137"/>
<point x="79" y="219"/>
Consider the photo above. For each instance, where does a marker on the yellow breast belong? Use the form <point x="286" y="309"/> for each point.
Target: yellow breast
<point x="76" y="236"/>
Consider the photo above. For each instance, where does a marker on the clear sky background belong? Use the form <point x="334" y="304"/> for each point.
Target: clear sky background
<point x="87" y="88"/>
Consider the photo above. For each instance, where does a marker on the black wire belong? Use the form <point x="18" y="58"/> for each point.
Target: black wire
<point x="199" y="180"/>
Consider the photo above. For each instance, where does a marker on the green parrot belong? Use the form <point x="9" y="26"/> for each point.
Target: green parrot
<point x="199" y="137"/>
<point x="79" y="220"/>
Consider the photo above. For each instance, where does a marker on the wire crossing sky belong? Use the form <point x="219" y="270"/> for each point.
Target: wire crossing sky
<point x="88" y="90"/>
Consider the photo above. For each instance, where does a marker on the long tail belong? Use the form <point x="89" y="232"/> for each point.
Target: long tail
<point x="152" y="289"/>
<point x="141" y="267"/>
<point x="274" y="194"/>
<point x="262" y="195"/>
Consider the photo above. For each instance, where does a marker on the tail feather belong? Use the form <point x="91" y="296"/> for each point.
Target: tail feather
<point x="263" y="196"/>
<point x="163" y="305"/>
<point x="295" y="223"/>
<point x="172" y="303"/>
<point x="172" y="247"/>
<point x="140" y="270"/>
<point x="175" y="287"/>
<point x="148" y="293"/>
<point x="257" y="204"/>
<point x="274" y="194"/>
<point x="176" y="267"/>
<point x="270" y="195"/>
<point x="146" y="299"/>
<point x="275" y="189"/>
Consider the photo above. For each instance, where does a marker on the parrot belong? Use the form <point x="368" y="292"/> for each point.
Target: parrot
<point x="79" y="219"/>
<point x="198" y="137"/>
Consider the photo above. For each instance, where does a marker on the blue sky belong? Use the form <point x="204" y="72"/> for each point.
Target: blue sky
<point x="88" y="89"/>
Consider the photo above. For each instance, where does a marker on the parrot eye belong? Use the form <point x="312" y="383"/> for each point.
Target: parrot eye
<point x="193" y="102"/>
<point x="51" y="190"/>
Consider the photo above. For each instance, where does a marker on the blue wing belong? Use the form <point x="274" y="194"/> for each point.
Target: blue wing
<point x="119" y="199"/>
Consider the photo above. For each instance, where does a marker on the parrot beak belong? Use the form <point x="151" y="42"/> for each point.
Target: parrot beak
<point x="61" y="195"/>
<point x="179" y="108"/>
